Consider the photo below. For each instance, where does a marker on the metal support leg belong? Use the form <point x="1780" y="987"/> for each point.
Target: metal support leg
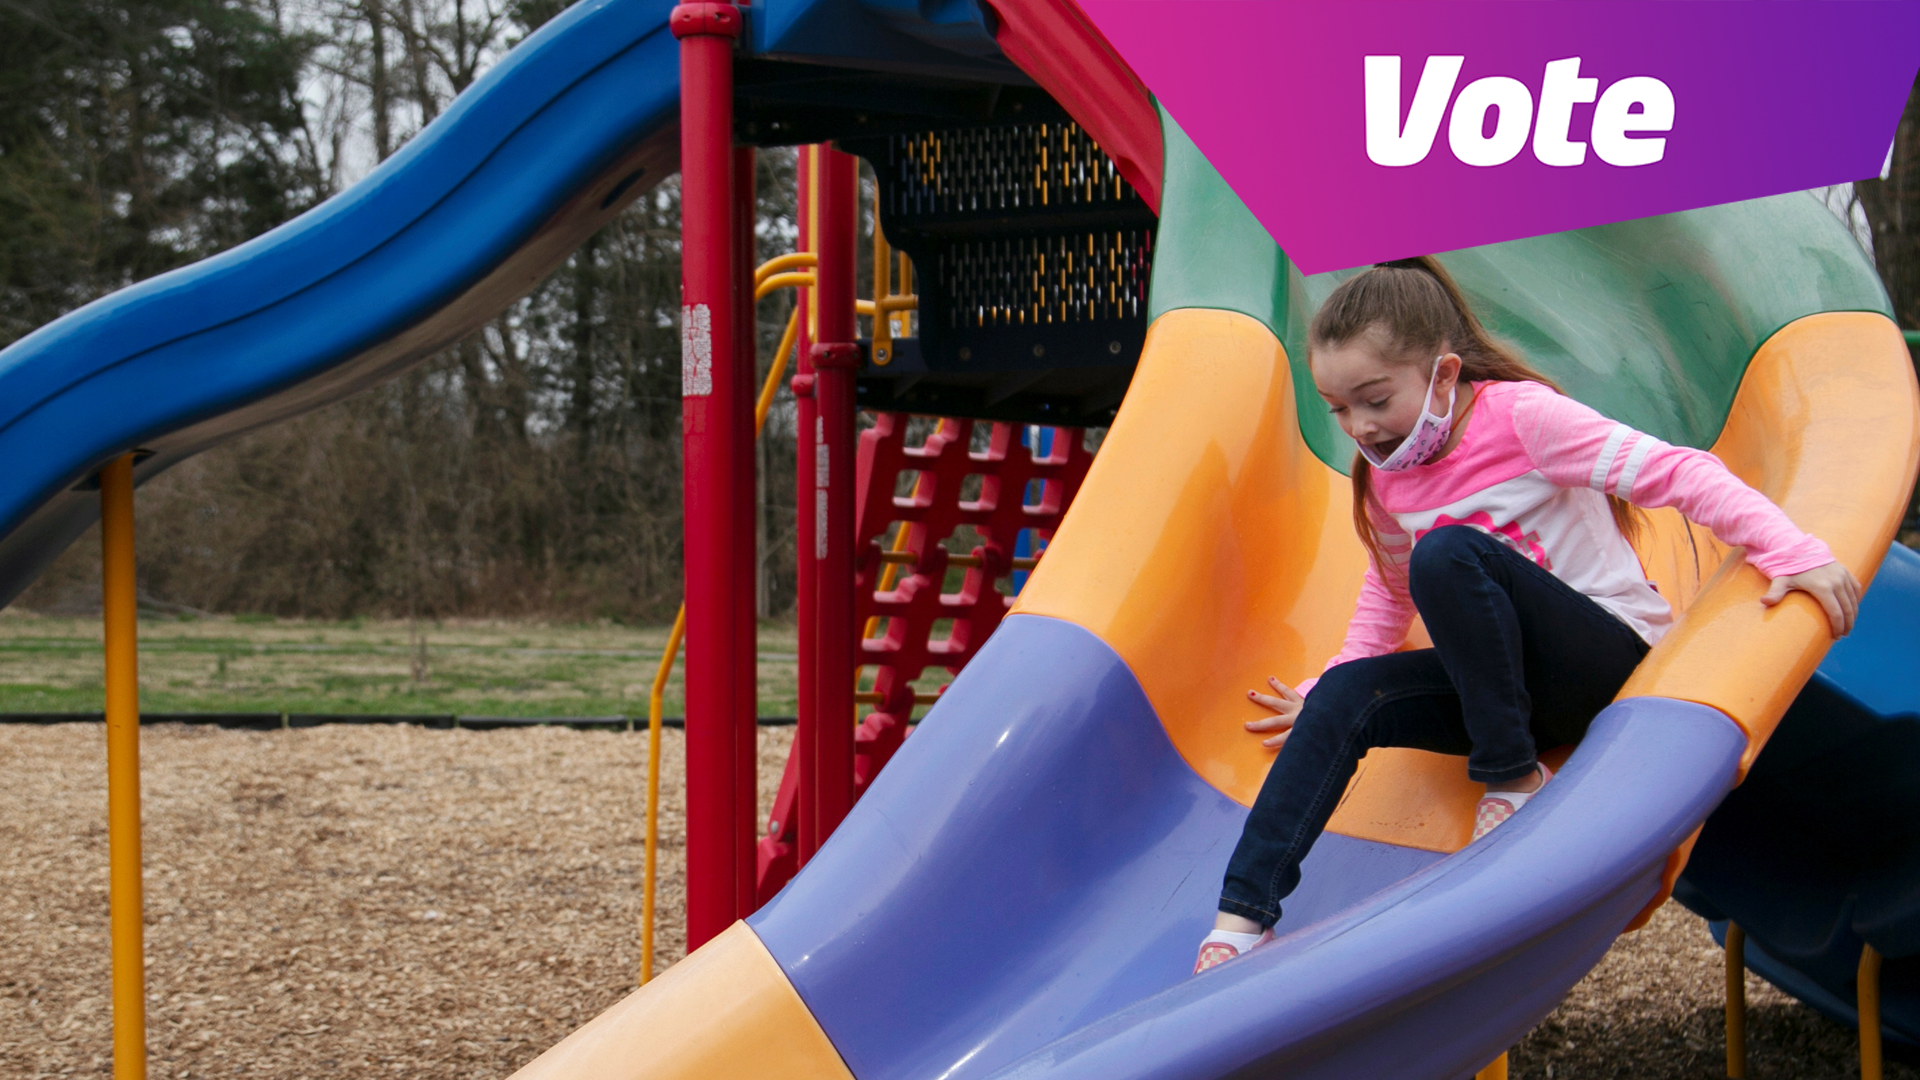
<point x="717" y="437"/>
<point x="806" y="540"/>
<point x="119" y="610"/>
<point x="1867" y="994"/>
<point x="1736" y="1001"/>
<point x="836" y="363"/>
<point x="745" y="652"/>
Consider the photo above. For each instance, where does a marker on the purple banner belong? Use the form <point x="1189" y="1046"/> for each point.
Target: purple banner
<point x="1365" y="130"/>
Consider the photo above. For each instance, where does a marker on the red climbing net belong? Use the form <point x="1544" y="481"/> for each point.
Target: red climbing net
<point x="900" y="600"/>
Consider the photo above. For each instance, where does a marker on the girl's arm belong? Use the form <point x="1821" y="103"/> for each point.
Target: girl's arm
<point x="1574" y="446"/>
<point x="1384" y="611"/>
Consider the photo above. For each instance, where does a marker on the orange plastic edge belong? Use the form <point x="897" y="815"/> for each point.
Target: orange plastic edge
<point x="1210" y="548"/>
<point x="727" y="1012"/>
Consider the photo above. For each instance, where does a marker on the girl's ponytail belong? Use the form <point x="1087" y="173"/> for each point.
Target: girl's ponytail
<point x="1423" y="314"/>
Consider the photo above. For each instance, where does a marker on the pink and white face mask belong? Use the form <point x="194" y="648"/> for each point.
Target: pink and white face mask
<point x="1429" y="433"/>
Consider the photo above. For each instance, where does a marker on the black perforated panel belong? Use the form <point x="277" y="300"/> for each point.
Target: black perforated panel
<point x="1045" y="280"/>
<point x="1032" y="257"/>
<point x="1039" y="168"/>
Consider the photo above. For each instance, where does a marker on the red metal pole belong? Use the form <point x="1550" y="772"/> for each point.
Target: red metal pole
<point x="717" y="439"/>
<point x="805" y="417"/>
<point x="836" y="362"/>
<point x="746" y="755"/>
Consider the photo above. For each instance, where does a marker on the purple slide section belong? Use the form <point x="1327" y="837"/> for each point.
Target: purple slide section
<point x="1036" y="857"/>
<point x="1437" y="975"/>
<point x="1022" y="890"/>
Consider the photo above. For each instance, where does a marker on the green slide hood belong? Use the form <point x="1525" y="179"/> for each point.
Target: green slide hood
<point x="1652" y="321"/>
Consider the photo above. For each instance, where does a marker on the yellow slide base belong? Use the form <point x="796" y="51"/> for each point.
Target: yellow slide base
<point x="727" y="1011"/>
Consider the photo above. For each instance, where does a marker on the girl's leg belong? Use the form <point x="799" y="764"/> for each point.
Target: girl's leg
<point x="1401" y="699"/>
<point x="1528" y="654"/>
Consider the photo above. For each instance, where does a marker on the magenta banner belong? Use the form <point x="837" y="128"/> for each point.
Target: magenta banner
<point x="1364" y="130"/>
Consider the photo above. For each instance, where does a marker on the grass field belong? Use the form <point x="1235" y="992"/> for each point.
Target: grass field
<point x="261" y="664"/>
<point x="468" y="667"/>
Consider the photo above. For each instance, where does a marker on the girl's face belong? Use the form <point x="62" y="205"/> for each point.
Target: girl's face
<point x="1377" y="400"/>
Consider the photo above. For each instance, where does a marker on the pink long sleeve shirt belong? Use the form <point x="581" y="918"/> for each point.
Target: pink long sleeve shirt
<point x="1533" y="470"/>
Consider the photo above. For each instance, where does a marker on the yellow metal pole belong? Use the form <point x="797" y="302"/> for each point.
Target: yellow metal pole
<point x="906" y="289"/>
<point x="779" y="368"/>
<point x="1867" y="993"/>
<point x="773" y="283"/>
<point x="653" y="790"/>
<point x="118" y="608"/>
<point x="1736" y="1001"/>
<point x="1495" y="1071"/>
<point x="798" y="260"/>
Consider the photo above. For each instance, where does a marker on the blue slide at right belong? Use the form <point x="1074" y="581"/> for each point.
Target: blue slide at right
<point x="1817" y="854"/>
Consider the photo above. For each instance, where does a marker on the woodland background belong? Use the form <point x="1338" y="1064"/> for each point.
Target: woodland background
<point x="531" y="469"/>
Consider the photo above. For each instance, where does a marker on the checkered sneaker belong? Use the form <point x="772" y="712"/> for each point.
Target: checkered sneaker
<point x="1214" y="951"/>
<point x="1213" y="954"/>
<point x="1494" y="809"/>
<point x="1490" y="813"/>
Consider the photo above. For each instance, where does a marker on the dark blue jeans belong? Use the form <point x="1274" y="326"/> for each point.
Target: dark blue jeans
<point x="1520" y="660"/>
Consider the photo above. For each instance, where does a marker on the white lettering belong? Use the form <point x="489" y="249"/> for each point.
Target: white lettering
<point x="1636" y="104"/>
<point x="1560" y="91"/>
<point x="1388" y="141"/>
<point x="696" y="350"/>
<point x="1466" y="132"/>
<point x="1615" y="116"/>
<point x="820" y="485"/>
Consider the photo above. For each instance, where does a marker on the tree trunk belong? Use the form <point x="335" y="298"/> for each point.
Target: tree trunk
<point x="586" y="286"/>
<point x="378" y="83"/>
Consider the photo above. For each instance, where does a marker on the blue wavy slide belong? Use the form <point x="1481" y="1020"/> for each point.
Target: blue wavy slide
<point x="545" y="148"/>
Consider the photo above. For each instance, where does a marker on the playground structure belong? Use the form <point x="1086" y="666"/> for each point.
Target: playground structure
<point x="1027" y="874"/>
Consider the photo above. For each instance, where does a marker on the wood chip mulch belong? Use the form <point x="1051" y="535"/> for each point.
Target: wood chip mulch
<point x="447" y="904"/>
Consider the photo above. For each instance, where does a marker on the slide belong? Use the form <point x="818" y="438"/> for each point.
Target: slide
<point x="1818" y="853"/>
<point x="541" y="151"/>
<point x="1020" y="892"/>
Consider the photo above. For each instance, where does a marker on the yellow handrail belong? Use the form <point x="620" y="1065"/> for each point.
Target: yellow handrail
<point x="772" y="385"/>
<point x="654" y="700"/>
<point x="776" y="282"/>
<point x="653" y="789"/>
<point x="797" y="260"/>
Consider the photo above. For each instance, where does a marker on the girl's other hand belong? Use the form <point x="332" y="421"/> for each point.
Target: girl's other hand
<point x="1832" y="585"/>
<point x="1285" y="705"/>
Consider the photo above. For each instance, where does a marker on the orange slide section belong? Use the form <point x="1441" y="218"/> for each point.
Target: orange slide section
<point x="1267" y="568"/>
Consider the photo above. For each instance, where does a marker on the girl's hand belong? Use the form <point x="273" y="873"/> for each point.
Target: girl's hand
<point x="1832" y="585"/>
<point x="1286" y="706"/>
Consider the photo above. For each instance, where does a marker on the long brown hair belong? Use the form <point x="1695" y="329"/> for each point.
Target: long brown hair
<point x="1416" y="306"/>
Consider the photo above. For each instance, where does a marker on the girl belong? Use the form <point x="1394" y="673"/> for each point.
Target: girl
<point x="1499" y="510"/>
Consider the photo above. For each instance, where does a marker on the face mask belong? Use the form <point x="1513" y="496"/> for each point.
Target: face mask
<point x="1429" y="434"/>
